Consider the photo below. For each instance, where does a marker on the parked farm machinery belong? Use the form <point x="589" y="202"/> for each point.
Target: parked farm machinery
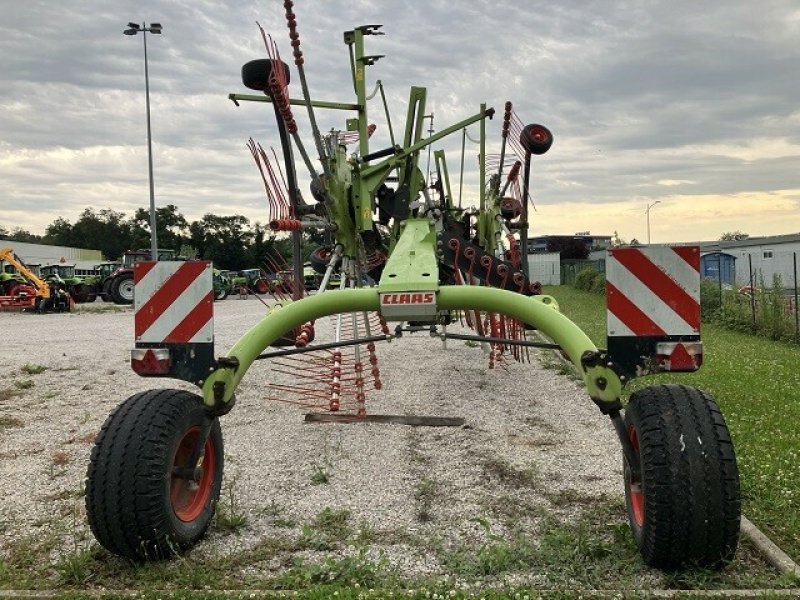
<point x="81" y="289"/>
<point x="116" y="280"/>
<point x="25" y="290"/>
<point x="406" y="251"/>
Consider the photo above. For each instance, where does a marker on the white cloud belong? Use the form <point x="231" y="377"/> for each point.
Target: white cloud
<point x="645" y="100"/>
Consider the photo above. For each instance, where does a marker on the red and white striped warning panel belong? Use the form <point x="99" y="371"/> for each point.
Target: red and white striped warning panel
<point x="173" y="302"/>
<point x="653" y="291"/>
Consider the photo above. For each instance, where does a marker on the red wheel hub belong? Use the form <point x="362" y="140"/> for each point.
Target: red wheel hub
<point x="539" y="135"/>
<point x="635" y="492"/>
<point x="189" y="498"/>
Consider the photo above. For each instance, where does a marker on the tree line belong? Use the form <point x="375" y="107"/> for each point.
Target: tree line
<point x="231" y="242"/>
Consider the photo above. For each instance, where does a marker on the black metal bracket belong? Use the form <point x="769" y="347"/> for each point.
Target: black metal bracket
<point x="456" y="251"/>
<point x="190" y="471"/>
<point x="494" y="340"/>
<point x="399" y="330"/>
<point x="364" y="340"/>
<point x="627" y="448"/>
<point x="220" y="407"/>
<point x="228" y="362"/>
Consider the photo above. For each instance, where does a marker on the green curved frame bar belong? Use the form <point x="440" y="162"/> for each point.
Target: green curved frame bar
<point x="602" y="383"/>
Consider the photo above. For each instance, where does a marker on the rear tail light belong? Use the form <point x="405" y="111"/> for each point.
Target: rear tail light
<point x="679" y="356"/>
<point x="151" y="361"/>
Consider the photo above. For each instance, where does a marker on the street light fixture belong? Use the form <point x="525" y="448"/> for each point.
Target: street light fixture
<point x="649" y="206"/>
<point x="133" y="29"/>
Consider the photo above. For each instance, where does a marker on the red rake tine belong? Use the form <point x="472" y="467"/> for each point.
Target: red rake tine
<point x="277" y="187"/>
<point x="252" y="146"/>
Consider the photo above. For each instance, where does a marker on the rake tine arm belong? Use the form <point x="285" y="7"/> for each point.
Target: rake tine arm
<point x="298" y="61"/>
<point x="254" y="151"/>
<point x="506" y="126"/>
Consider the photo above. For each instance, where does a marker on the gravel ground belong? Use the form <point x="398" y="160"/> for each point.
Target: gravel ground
<point x="533" y="439"/>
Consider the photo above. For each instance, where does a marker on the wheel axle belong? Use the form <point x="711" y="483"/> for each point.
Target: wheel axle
<point x="189" y="473"/>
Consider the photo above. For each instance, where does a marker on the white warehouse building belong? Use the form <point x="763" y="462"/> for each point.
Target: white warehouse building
<point x="41" y="254"/>
<point x="764" y="257"/>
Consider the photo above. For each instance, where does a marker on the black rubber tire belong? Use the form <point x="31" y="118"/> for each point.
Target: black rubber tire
<point x="686" y="510"/>
<point x="129" y="483"/>
<point x="105" y="290"/>
<point x="221" y="294"/>
<point x="119" y="289"/>
<point x="261" y="286"/>
<point x="536" y="138"/>
<point x="320" y="258"/>
<point x="79" y="293"/>
<point x="256" y="73"/>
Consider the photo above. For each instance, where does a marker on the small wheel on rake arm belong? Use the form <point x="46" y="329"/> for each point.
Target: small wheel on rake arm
<point x="143" y="499"/>
<point x="684" y="508"/>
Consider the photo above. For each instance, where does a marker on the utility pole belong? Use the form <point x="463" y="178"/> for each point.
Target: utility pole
<point x="649" y="206"/>
<point x="133" y="29"/>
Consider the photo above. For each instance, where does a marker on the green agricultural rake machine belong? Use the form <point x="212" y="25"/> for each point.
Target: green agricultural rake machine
<point x="404" y="250"/>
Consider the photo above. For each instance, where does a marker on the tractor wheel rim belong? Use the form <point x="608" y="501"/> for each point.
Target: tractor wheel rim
<point x="189" y="498"/>
<point x="635" y="492"/>
<point x="126" y="289"/>
<point x="262" y="287"/>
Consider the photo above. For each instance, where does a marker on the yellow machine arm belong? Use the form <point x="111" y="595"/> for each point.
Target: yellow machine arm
<point x="42" y="289"/>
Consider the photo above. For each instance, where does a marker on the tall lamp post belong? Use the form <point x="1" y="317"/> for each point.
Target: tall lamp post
<point x="133" y="29"/>
<point x="649" y="206"/>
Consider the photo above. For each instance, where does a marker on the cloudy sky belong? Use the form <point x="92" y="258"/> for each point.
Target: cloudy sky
<point x="692" y="104"/>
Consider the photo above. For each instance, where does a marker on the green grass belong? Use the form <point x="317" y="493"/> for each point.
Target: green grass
<point x="425" y="494"/>
<point x="757" y="384"/>
<point x="592" y="551"/>
<point x="23" y="384"/>
<point x="8" y="422"/>
<point x="30" y="369"/>
<point x="320" y="474"/>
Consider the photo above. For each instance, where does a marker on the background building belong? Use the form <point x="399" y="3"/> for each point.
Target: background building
<point x="761" y="258"/>
<point x="40" y="254"/>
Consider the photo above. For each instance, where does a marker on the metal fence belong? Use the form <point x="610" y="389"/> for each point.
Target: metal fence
<point x="571" y="267"/>
<point x="760" y="278"/>
<point x="762" y="275"/>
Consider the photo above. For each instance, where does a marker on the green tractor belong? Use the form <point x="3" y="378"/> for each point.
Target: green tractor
<point x="222" y="284"/>
<point x="284" y="280"/>
<point x="10" y="279"/>
<point x="255" y="281"/>
<point x="102" y="278"/>
<point x="80" y="289"/>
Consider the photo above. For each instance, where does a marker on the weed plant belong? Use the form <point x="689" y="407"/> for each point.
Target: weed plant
<point x="763" y="311"/>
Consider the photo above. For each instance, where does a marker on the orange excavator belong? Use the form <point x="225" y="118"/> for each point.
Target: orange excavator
<point x="32" y="293"/>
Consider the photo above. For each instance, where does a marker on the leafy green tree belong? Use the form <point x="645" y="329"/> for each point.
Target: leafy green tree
<point x="59" y="232"/>
<point x="223" y="240"/>
<point x="171" y="227"/>
<point x="568" y="246"/>
<point x="733" y="236"/>
<point x="197" y="238"/>
<point x="3" y="232"/>
<point x="107" y="231"/>
<point x="18" y="234"/>
<point x="260" y="246"/>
